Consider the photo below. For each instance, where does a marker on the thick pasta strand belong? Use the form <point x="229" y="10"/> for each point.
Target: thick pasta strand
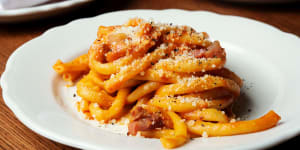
<point x="78" y="64"/>
<point x="99" y="80"/>
<point x="192" y="85"/>
<point x="188" y="104"/>
<point x="224" y="72"/>
<point x="95" y="78"/>
<point x="72" y="70"/>
<point x="71" y="76"/>
<point x="89" y="91"/>
<point x="240" y="127"/>
<point x="141" y="102"/>
<point x="131" y="83"/>
<point x="114" y="111"/>
<point x="191" y="65"/>
<point x="103" y="31"/>
<point x="180" y="130"/>
<point x="61" y="67"/>
<point x="160" y="75"/>
<point x="158" y="133"/>
<point x="209" y="114"/>
<point x="136" y="67"/>
<point x="143" y="90"/>
<point x="136" y="52"/>
<point x="213" y="93"/>
<point x="107" y="68"/>
<point x="188" y="38"/>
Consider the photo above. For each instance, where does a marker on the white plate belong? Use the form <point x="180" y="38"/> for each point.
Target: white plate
<point x="40" y="11"/>
<point x="267" y="58"/>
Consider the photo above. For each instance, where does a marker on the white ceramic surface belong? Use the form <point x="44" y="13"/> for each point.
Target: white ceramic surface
<point x="267" y="58"/>
<point x="40" y="11"/>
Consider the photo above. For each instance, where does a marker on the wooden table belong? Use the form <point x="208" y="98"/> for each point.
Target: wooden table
<point x="14" y="135"/>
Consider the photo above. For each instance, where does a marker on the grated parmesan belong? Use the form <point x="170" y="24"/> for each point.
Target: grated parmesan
<point x="204" y="134"/>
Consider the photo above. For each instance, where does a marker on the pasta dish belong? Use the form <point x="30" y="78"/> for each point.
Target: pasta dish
<point x="169" y="81"/>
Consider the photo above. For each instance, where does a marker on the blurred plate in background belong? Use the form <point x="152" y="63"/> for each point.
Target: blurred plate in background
<point x="40" y="11"/>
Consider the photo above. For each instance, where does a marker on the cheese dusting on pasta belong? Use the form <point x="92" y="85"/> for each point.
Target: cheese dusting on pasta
<point x="162" y="81"/>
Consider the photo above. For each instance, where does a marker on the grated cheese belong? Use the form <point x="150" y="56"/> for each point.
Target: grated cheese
<point x="204" y="134"/>
<point x="191" y="122"/>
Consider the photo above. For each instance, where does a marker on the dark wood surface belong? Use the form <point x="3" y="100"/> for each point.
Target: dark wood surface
<point x="14" y="135"/>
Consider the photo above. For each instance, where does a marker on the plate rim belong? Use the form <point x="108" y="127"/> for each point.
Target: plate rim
<point x="69" y="141"/>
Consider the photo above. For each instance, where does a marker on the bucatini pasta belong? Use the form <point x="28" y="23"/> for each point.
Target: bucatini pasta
<point x="169" y="81"/>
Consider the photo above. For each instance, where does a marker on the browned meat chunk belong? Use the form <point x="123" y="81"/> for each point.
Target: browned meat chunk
<point x="144" y="119"/>
<point x="213" y="51"/>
